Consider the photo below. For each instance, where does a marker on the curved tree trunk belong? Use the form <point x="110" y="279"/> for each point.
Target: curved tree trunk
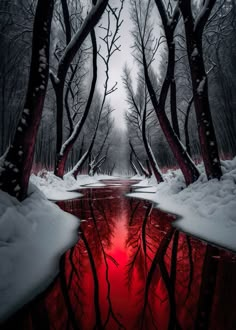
<point x="68" y="145"/>
<point x="65" y="62"/>
<point x="186" y="164"/>
<point x="193" y="30"/>
<point x="15" y="174"/>
<point x="149" y="152"/>
<point x="173" y="107"/>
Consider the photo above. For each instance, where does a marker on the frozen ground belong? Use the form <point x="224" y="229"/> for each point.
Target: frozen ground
<point x="33" y="235"/>
<point x="56" y="189"/>
<point x="206" y="209"/>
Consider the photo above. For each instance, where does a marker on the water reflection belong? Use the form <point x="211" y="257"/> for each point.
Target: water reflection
<point x="132" y="270"/>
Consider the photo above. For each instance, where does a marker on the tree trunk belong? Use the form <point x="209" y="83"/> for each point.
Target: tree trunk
<point x="186" y="133"/>
<point x="149" y="152"/>
<point x="206" y="132"/>
<point x="65" y="62"/>
<point x="186" y="164"/>
<point x="15" y="174"/>
<point x="63" y="153"/>
<point x="173" y="107"/>
<point x="143" y="170"/>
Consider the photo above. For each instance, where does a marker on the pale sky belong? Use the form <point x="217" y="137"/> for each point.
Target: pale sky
<point x="119" y="59"/>
<point x="117" y="63"/>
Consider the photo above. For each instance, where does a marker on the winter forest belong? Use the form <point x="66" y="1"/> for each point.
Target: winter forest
<point x="117" y="164"/>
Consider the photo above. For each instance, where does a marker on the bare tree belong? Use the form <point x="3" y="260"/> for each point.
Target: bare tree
<point x="66" y="59"/>
<point x="194" y="29"/>
<point x="15" y="173"/>
<point x="143" y="37"/>
<point x="138" y="115"/>
<point x="109" y="39"/>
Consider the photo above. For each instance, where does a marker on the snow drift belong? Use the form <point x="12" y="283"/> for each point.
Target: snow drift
<point x="33" y="235"/>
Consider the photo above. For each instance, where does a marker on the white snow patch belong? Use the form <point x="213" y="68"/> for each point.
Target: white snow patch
<point x="195" y="52"/>
<point x="207" y="208"/>
<point x="201" y="86"/>
<point x="33" y="235"/>
<point x="85" y="181"/>
<point x="53" y="187"/>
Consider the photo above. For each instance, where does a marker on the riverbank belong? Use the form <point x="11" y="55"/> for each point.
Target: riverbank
<point x="205" y="209"/>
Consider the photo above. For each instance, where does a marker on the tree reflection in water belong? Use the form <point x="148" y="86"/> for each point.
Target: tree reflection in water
<point x="132" y="270"/>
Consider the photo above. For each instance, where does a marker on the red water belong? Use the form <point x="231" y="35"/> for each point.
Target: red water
<point x="132" y="270"/>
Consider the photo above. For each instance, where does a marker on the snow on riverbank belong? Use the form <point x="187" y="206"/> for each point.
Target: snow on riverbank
<point x="53" y="187"/>
<point x="56" y="189"/>
<point x="207" y="209"/>
<point x="33" y="235"/>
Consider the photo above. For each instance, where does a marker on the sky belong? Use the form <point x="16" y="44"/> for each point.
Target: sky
<point x="118" y="60"/>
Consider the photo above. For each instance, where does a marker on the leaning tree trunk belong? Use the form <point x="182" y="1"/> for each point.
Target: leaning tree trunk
<point x="15" y="174"/>
<point x="70" y="52"/>
<point x="186" y="164"/>
<point x="193" y="30"/>
<point x="62" y="156"/>
<point x="173" y="106"/>
<point x="151" y="157"/>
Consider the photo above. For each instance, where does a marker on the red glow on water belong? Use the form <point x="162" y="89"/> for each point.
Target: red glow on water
<point x="132" y="270"/>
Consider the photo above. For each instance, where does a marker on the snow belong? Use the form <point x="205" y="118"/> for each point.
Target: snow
<point x="205" y="209"/>
<point x="201" y="85"/>
<point x="33" y="235"/>
<point x="85" y="181"/>
<point x="26" y="111"/>
<point x="195" y="52"/>
<point x="53" y="187"/>
<point x="56" y="189"/>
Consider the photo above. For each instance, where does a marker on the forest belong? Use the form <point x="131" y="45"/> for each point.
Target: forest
<point x="141" y="92"/>
<point x="179" y="98"/>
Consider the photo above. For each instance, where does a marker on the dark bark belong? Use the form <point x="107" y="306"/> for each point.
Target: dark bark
<point x="207" y="290"/>
<point x="66" y="60"/>
<point x="186" y="164"/>
<point x="193" y="30"/>
<point x="173" y="107"/>
<point x="134" y="168"/>
<point x="97" y="162"/>
<point x="66" y="17"/>
<point x="143" y="170"/>
<point x="87" y="154"/>
<point x="186" y="133"/>
<point x="63" y="155"/>
<point x="149" y="167"/>
<point x="188" y="168"/>
<point x="149" y="152"/>
<point x="17" y="166"/>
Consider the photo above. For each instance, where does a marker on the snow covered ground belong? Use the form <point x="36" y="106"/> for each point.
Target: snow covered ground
<point x="56" y="189"/>
<point x="206" y="209"/>
<point x="33" y="235"/>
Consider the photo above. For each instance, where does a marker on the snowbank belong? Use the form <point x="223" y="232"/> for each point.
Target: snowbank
<point x="33" y="235"/>
<point x="83" y="181"/>
<point x="206" y="209"/>
<point x="53" y="187"/>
